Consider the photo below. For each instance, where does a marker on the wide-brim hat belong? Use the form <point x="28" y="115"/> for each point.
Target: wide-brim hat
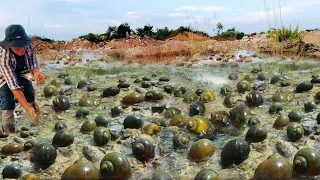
<point x="15" y="36"/>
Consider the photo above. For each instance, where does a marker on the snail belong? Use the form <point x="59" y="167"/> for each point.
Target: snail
<point x="226" y="90"/>
<point x="101" y="136"/>
<point x="81" y="170"/>
<point x="180" y="141"/>
<point x="253" y="121"/>
<point x="190" y="97"/>
<point x="233" y="76"/>
<point x="11" y="148"/>
<point x="88" y="102"/>
<point x="197" y="108"/>
<point x="62" y="139"/>
<point x="153" y="95"/>
<point x="256" y="134"/>
<point x="133" y="122"/>
<point x="110" y="91"/>
<point x="307" y="162"/>
<point x="294" y="116"/>
<point x="281" y="122"/>
<point x="61" y="103"/>
<point x="168" y="89"/>
<point x="274" y="168"/>
<point x="29" y="144"/>
<point x="138" y="80"/>
<point x="310" y="106"/>
<point x="179" y="92"/>
<point x="201" y="150"/>
<point x="123" y="85"/>
<point x="143" y="149"/>
<point x="68" y="81"/>
<point x="220" y="117"/>
<point x="151" y="128"/>
<point x="132" y="99"/>
<point x="101" y="121"/>
<point x="12" y="171"/>
<point x="88" y="126"/>
<point x="243" y="86"/>
<point x="207" y="96"/>
<point x="165" y="79"/>
<point x="199" y="91"/>
<point x="234" y="152"/>
<point x="262" y="76"/>
<point x="254" y="99"/>
<point x="43" y="154"/>
<point x="171" y="112"/>
<point x="50" y="90"/>
<point x="249" y="77"/>
<point x="82" y="83"/>
<point x="275" y="107"/>
<point x="229" y="101"/>
<point x="179" y="120"/>
<point x="239" y="115"/>
<point x="198" y="124"/>
<point x="146" y="84"/>
<point x="207" y="174"/>
<point x="60" y="126"/>
<point x="115" y="166"/>
<point x="116" y="111"/>
<point x="160" y="175"/>
<point x="82" y="112"/>
<point x="303" y="87"/>
<point x="295" y="131"/>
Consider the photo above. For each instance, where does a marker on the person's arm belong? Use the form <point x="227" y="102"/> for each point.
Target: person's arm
<point x="37" y="74"/>
<point x="18" y="94"/>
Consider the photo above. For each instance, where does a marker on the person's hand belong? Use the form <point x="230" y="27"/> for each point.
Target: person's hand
<point x="39" y="76"/>
<point x="33" y="113"/>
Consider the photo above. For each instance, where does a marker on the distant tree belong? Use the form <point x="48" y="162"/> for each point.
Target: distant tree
<point x="91" y="37"/>
<point x="162" y="34"/>
<point x="219" y="28"/>
<point x="123" y="29"/>
<point x="146" y="30"/>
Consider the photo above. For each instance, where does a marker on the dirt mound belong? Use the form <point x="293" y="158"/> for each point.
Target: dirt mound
<point x="189" y="36"/>
<point x="312" y="37"/>
<point x="133" y="41"/>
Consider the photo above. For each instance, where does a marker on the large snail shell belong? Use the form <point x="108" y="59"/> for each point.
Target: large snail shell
<point x="115" y="166"/>
<point x="61" y="103"/>
<point x="295" y="131"/>
<point x="234" y="152"/>
<point x="310" y="106"/>
<point x="294" y="116"/>
<point x="201" y="150"/>
<point x="60" y="126"/>
<point x="62" y="139"/>
<point x="44" y="154"/>
<point x="153" y="95"/>
<point x="243" y="86"/>
<point x="275" y="107"/>
<point x="229" y="101"/>
<point x="81" y="171"/>
<point x="256" y="134"/>
<point x="101" y="136"/>
<point x="190" y="97"/>
<point x="101" y="121"/>
<point x="303" y="87"/>
<point x="168" y="89"/>
<point x="207" y="174"/>
<point x="220" y="117"/>
<point x="226" y="90"/>
<point x="88" y="102"/>
<point x="254" y="99"/>
<point x="151" y="128"/>
<point x="207" y="96"/>
<point x="133" y="122"/>
<point x="12" y="171"/>
<point x="181" y="140"/>
<point x="179" y="120"/>
<point x="132" y="99"/>
<point x="82" y="83"/>
<point x="50" y="90"/>
<point x="82" y="112"/>
<point x="239" y="115"/>
<point x="11" y="148"/>
<point x="307" y="162"/>
<point x="274" y="168"/>
<point x="197" y="108"/>
<point x="29" y="144"/>
<point x="110" y="91"/>
<point x="281" y="122"/>
<point x="143" y="149"/>
<point x="160" y="175"/>
<point x="88" y="126"/>
<point x="171" y="112"/>
<point x="198" y="124"/>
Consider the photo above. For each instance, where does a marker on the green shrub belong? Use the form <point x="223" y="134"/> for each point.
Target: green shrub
<point x="92" y="37"/>
<point x="284" y="34"/>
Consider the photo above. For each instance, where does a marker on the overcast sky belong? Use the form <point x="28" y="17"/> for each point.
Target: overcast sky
<point x="66" y="19"/>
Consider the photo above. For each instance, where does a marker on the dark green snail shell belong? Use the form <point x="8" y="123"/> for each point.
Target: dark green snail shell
<point x="116" y="111"/>
<point x="29" y="144"/>
<point x="294" y="116"/>
<point x="220" y="118"/>
<point x="168" y="89"/>
<point x="229" y="101"/>
<point x="207" y="174"/>
<point x="190" y="97"/>
<point x="254" y="99"/>
<point x="315" y="80"/>
<point x="92" y="87"/>
<point x="146" y="84"/>
<point x="3" y="135"/>
<point x="62" y="139"/>
<point x="262" y="76"/>
<point x="234" y="152"/>
<point x="310" y="106"/>
<point x="160" y="175"/>
<point x="275" y="107"/>
<point x="318" y="118"/>
<point x="285" y="83"/>
<point x="304" y="87"/>
<point x="256" y="134"/>
<point x="44" y="154"/>
<point x="307" y="162"/>
<point x="110" y="91"/>
<point x="275" y="79"/>
<point x="123" y="85"/>
<point x="12" y="171"/>
<point x="50" y="90"/>
<point x="249" y="77"/>
<point x="233" y="76"/>
<point x="281" y="122"/>
<point x="179" y="92"/>
<point x="82" y="84"/>
<point x="60" y="126"/>
<point x="146" y="78"/>
<point x="143" y="149"/>
<point x="253" y="121"/>
<point x="295" y="131"/>
<point x="88" y="126"/>
<point x="239" y="115"/>
<point x="101" y="121"/>
<point x="180" y="141"/>
<point x="153" y="95"/>
<point x="115" y="166"/>
<point x="243" y="86"/>
<point x="138" y="80"/>
<point x="165" y="79"/>
<point x="88" y="102"/>
<point x="274" y="168"/>
<point x="171" y="112"/>
<point x="226" y="90"/>
<point x="133" y="122"/>
<point x="68" y="81"/>
<point x="101" y="136"/>
<point x="198" y="91"/>
<point x="61" y="103"/>
<point x="84" y="170"/>
<point x="197" y="108"/>
<point x="82" y="112"/>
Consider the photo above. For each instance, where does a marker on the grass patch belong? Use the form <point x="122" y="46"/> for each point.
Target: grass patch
<point x="284" y="34"/>
<point x="273" y="67"/>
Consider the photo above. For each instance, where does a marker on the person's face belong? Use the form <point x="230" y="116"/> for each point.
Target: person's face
<point x="19" y="51"/>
